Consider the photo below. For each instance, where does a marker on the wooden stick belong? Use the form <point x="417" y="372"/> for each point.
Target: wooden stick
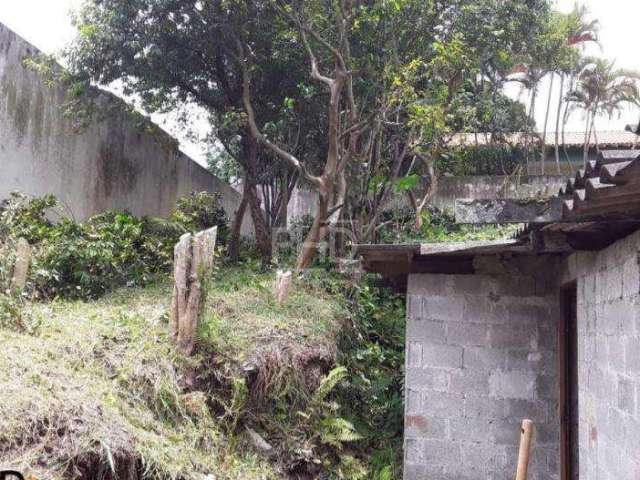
<point x="525" y="445"/>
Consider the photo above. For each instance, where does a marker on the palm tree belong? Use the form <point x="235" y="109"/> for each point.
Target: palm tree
<point x="579" y="31"/>
<point x="602" y="89"/>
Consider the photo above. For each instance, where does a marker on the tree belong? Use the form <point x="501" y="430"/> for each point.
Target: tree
<point x="602" y="89"/>
<point x="335" y="94"/>
<point x="177" y="52"/>
<point x="579" y="31"/>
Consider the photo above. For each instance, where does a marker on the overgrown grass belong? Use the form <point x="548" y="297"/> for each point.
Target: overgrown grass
<point x="96" y="387"/>
<point x="242" y="316"/>
<point x="99" y="386"/>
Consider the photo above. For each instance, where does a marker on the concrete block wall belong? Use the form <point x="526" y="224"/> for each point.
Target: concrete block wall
<point x="481" y="356"/>
<point x="608" y="284"/>
<point x="116" y="163"/>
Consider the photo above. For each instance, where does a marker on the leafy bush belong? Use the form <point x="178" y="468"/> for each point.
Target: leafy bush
<point x="498" y="159"/>
<point x="372" y="395"/>
<point x="86" y="260"/>
<point x="437" y="226"/>
<point x="200" y="211"/>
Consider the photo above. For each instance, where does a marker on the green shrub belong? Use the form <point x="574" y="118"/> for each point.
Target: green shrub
<point x="200" y="211"/>
<point x="498" y="159"/>
<point x="86" y="260"/>
<point x="371" y="396"/>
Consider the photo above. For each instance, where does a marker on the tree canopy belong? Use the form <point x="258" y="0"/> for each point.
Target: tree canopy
<point x="356" y="98"/>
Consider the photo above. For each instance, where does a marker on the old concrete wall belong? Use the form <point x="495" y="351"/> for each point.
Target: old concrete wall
<point x="481" y="356"/>
<point x="608" y="285"/>
<point x="492" y="187"/>
<point x="304" y="202"/>
<point x="118" y="162"/>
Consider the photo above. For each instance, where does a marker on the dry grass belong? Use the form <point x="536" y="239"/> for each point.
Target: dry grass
<point x="97" y="389"/>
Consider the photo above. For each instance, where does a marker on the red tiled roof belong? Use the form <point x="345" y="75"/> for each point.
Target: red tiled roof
<point x="606" y="139"/>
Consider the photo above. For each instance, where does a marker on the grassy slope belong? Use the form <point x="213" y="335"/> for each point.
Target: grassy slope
<point x="98" y="381"/>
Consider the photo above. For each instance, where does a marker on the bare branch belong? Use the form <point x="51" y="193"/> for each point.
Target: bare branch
<point x="255" y="131"/>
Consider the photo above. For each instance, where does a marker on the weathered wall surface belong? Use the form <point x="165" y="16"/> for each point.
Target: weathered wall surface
<point x="608" y="285"/>
<point x="304" y="202"/>
<point x="481" y="356"/>
<point x="115" y="164"/>
<point x="492" y="187"/>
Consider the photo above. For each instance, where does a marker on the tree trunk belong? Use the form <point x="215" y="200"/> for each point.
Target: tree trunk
<point x="193" y="260"/>
<point x="543" y="156"/>
<point x="595" y="131"/>
<point x="262" y="231"/>
<point x="587" y="139"/>
<point x="557" y="135"/>
<point x="316" y="233"/>
<point x="565" y="120"/>
<point x="233" y="249"/>
<point x="529" y="124"/>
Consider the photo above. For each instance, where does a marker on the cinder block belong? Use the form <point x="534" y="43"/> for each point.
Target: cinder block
<point x="470" y="383"/>
<point x="413" y="401"/>
<point x="440" y="452"/>
<point x="587" y="289"/>
<point x="506" y="432"/>
<point x="546" y="433"/>
<point x="420" y="330"/>
<point x="414" y="451"/>
<point x="442" y="308"/>
<point x="632" y="356"/>
<point x="414" y="354"/>
<point x="427" y="285"/>
<point x="421" y="426"/>
<point x="541" y="361"/>
<point x="466" y="334"/>
<point x="490" y="457"/>
<point x="624" y="311"/>
<point x="480" y="358"/>
<point x="616" y="348"/>
<point x="520" y="286"/>
<point x="613" y="276"/>
<point x="523" y="314"/>
<point x="547" y="387"/>
<point x="414" y="306"/>
<point x="413" y="471"/>
<point x="443" y="404"/>
<point x="484" y="407"/>
<point x="469" y="429"/>
<point x="433" y="379"/>
<point x="446" y="356"/>
<point x="513" y="336"/>
<point x="631" y="277"/>
<point x="626" y="395"/>
<point x="479" y="309"/>
<point x="533" y="409"/>
<point x="474" y="285"/>
<point x="512" y="384"/>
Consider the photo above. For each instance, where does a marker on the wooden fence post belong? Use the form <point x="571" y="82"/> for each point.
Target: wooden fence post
<point x="525" y="446"/>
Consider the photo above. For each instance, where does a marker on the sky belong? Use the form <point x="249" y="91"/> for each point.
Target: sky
<point x="47" y="25"/>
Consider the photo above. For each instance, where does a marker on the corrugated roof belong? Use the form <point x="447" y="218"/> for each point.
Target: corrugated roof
<point x="606" y="139"/>
<point x="609" y="188"/>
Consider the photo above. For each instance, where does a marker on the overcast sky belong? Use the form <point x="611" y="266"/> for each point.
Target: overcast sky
<point x="46" y="24"/>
